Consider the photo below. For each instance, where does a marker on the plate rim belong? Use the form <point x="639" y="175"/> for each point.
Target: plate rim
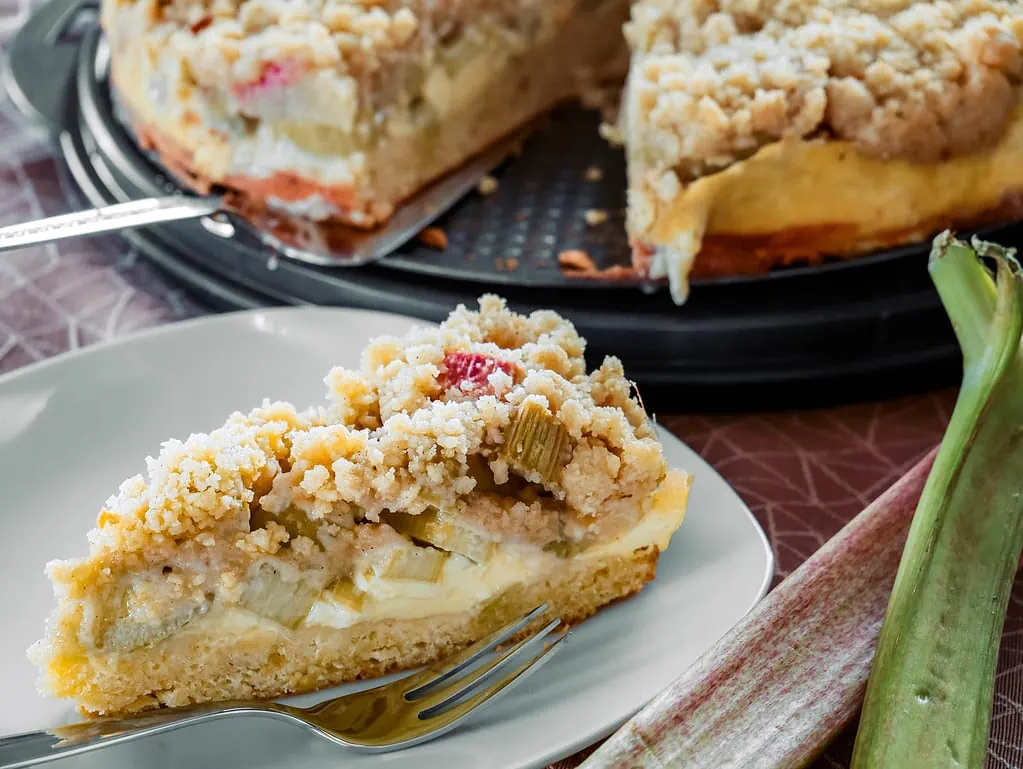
<point x="241" y="317"/>
<point x="765" y="588"/>
<point x="184" y="324"/>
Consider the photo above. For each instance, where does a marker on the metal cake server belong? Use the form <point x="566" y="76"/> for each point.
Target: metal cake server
<point x="321" y="244"/>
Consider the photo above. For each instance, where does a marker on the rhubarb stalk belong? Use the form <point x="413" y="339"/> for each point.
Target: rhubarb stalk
<point x="928" y="702"/>
<point x="779" y="686"/>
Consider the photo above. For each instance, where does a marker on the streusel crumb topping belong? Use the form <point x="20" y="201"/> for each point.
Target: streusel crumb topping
<point x="714" y="80"/>
<point x="330" y="62"/>
<point x="408" y="432"/>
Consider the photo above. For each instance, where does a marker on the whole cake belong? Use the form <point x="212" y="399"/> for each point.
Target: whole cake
<point x="464" y="475"/>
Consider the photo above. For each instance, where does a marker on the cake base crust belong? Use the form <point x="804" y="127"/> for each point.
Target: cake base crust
<point x="193" y="668"/>
<point x="724" y="255"/>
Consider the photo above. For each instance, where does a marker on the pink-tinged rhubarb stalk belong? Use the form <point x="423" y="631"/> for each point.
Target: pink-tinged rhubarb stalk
<point x="775" y="690"/>
<point x="928" y="703"/>
<point x="470" y="372"/>
<point x="274" y="76"/>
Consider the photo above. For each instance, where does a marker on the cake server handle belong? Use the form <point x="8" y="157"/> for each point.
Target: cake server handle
<point x="18" y="751"/>
<point x="120" y="216"/>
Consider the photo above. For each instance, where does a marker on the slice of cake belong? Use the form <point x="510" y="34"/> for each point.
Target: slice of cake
<point x="765" y="133"/>
<point x="340" y="109"/>
<point x="463" y="475"/>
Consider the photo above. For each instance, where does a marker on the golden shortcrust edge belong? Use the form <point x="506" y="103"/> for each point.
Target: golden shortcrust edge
<point x="830" y="200"/>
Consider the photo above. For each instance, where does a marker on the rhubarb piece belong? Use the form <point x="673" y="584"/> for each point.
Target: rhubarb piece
<point x="534" y="443"/>
<point x="779" y="686"/>
<point x="347" y="594"/>
<point x="424" y="564"/>
<point x="560" y="548"/>
<point x="270" y="595"/>
<point x="515" y="486"/>
<point x="294" y="520"/>
<point x="273" y="76"/>
<point x="479" y="470"/>
<point x="136" y="627"/>
<point x="434" y="529"/>
<point x="470" y="372"/>
<point x="928" y="703"/>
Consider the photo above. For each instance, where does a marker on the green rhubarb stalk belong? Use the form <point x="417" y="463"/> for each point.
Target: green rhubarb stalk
<point x="778" y="687"/>
<point x="930" y="691"/>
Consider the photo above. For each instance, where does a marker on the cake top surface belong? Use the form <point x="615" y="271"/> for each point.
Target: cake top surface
<point x="234" y="42"/>
<point x="398" y="434"/>
<point x="714" y="80"/>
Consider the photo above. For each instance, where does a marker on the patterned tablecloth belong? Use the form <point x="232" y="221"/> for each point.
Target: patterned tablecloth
<point x="803" y="474"/>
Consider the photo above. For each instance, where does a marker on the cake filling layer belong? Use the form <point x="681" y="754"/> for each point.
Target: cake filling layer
<point x="806" y="199"/>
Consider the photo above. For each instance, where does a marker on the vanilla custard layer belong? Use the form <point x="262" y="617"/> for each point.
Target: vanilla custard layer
<point x="463" y="585"/>
<point x="821" y="196"/>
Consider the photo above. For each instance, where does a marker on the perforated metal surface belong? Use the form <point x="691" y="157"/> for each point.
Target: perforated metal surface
<point x="514" y="235"/>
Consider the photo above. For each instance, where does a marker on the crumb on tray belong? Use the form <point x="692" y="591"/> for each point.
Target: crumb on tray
<point x="434" y="237"/>
<point x="487" y="185"/>
<point x="576" y="260"/>
<point x="506" y="265"/>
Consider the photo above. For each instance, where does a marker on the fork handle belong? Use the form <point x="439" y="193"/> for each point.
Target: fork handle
<point x="120" y="216"/>
<point x="34" y="748"/>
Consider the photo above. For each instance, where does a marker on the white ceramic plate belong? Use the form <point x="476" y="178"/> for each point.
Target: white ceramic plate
<point x="72" y="428"/>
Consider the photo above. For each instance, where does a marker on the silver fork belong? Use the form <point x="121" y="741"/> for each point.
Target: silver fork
<point x="408" y="711"/>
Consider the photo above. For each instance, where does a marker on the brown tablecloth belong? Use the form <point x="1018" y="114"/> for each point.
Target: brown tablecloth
<point x="803" y="474"/>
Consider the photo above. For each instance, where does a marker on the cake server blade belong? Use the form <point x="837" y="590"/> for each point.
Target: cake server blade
<point x="322" y="244"/>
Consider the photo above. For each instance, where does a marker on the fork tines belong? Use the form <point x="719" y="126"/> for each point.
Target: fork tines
<point x="457" y="685"/>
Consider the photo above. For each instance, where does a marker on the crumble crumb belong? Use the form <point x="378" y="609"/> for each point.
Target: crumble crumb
<point x="595" y="216"/>
<point x="487" y="185"/>
<point x="612" y="134"/>
<point x="434" y="237"/>
<point x="594" y="174"/>
<point x="576" y="260"/>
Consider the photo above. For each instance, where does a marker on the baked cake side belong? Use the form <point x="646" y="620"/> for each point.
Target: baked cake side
<point x="339" y="110"/>
<point x="784" y="131"/>
<point x="462" y="475"/>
